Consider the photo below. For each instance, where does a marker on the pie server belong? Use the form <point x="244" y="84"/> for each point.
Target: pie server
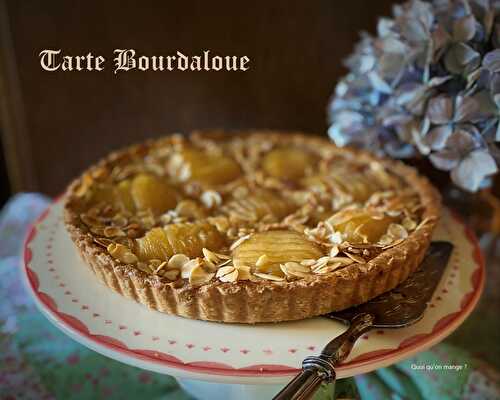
<point x="398" y="308"/>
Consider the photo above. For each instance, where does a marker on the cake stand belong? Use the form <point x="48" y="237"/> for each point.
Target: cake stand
<point x="251" y="361"/>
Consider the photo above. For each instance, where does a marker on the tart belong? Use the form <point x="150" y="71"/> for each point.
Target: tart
<point x="251" y="226"/>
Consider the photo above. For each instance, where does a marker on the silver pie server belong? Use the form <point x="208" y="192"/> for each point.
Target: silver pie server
<point x="398" y="308"/>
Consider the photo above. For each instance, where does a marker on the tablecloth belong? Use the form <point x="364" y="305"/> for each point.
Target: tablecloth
<point x="37" y="361"/>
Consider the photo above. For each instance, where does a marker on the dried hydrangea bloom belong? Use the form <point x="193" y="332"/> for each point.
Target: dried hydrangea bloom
<point x="429" y="79"/>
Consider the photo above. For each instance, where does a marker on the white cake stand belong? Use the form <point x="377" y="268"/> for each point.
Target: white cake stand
<point x="251" y="361"/>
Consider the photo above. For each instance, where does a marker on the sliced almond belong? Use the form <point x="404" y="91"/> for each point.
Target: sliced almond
<point x="224" y="263"/>
<point x="335" y="266"/>
<point x="171" y="274"/>
<point x="394" y="243"/>
<point x="188" y="267"/>
<point x="327" y="269"/>
<point x="122" y="253"/>
<point x="239" y="241"/>
<point x="424" y="222"/>
<point x="162" y="265"/>
<point x="385" y="240"/>
<point x="89" y="220"/>
<point x="143" y="267"/>
<point x="112" y="231"/>
<point x="222" y="256"/>
<point x="269" y="277"/>
<point x="342" y="260"/>
<point x="393" y="213"/>
<point x="295" y="269"/>
<point x="120" y="221"/>
<point x="177" y="261"/>
<point x="224" y="271"/>
<point x="377" y="216"/>
<point x="97" y="230"/>
<point x="103" y="242"/>
<point x="227" y="274"/>
<point x="356" y="258"/>
<point x="211" y="199"/>
<point x="320" y="263"/>
<point x="397" y="231"/>
<point x="409" y="224"/>
<point x="334" y="251"/>
<point x="323" y="259"/>
<point x="210" y="256"/>
<point x="198" y="276"/>
<point x="221" y="223"/>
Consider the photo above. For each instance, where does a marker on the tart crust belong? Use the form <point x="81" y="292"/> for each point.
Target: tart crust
<point x="263" y="301"/>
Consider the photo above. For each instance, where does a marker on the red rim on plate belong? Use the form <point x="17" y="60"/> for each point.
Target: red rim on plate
<point x="440" y="330"/>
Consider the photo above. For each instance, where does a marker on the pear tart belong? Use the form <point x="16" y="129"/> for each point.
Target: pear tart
<point x="250" y="227"/>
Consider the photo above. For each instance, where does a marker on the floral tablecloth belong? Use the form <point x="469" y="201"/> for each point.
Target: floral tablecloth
<point x="37" y="361"/>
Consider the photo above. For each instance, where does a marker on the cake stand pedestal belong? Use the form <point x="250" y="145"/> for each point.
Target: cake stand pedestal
<point x="212" y="391"/>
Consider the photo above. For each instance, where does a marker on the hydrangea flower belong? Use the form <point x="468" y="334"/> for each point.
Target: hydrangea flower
<point x="428" y="84"/>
